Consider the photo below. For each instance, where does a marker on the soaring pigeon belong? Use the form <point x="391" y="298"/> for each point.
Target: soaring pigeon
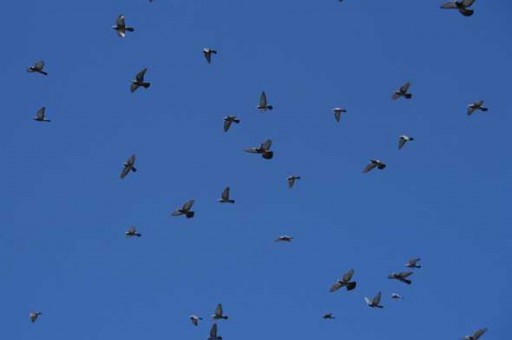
<point x="337" y="112"/>
<point x="375" y="302"/>
<point x="402" y="276"/>
<point x="41" y="115"/>
<point x="291" y="180"/>
<point x="263" y="149"/>
<point x="402" y="140"/>
<point x="208" y="54"/>
<point x="413" y="263"/>
<point x="139" y="81"/>
<point x="345" y="281"/>
<point x="213" y="333"/>
<point x="121" y="27"/>
<point x="195" y="319"/>
<point x="263" y="106"/>
<point x="284" y="238"/>
<point x="185" y="210"/>
<point x="128" y="166"/>
<point x="37" y="67"/>
<point x="132" y="232"/>
<point x="479" y="105"/>
<point x="402" y="92"/>
<point x="396" y="296"/>
<point x="328" y="316"/>
<point x="461" y="6"/>
<point x="228" y="121"/>
<point x="224" y="197"/>
<point x="219" y="314"/>
<point x="476" y="334"/>
<point x="374" y="163"/>
<point x="34" y="315"/>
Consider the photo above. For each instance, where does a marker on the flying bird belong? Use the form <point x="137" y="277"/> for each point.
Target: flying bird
<point x="375" y="302"/>
<point x="263" y="106"/>
<point x="121" y="27"/>
<point x="37" y="67"/>
<point x="395" y="296"/>
<point x="34" y="315"/>
<point x="213" y="333"/>
<point x="461" y="6"/>
<point x="413" y="263"/>
<point x="132" y="232"/>
<point x="228" y="121"/>
<point x="291" y="180"/>
<point x="185" y="210"/>
<point x="476" y="334"/>
<point x="479" y="105"/>
<point x="337" y="112"/>
<point x="402" y="276"/>
<point x="41" y="115"/>
<point x="195" y="319"/>
<point x="219" y="314"/>
<point x="374" y="163"/>
<point x="328" y="316"/>
<point x="284" y="238"/>
<point x="345" y="281"/>
<point x="128" y="166"/>
<point x="208" y="54"/>
<point x="263" y="149"/>
<point x="224" y="197"/>
<point x="403" y="92"/>
<point x="139" y="81"/>
<point x="402" y="140"/>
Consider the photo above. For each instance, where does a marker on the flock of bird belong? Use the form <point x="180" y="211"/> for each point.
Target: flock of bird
<point x="264" y="149"/>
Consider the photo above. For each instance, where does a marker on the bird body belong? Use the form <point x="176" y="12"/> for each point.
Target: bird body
<point x="402" y="140"/>
<point x="476" y="334"/>
<point x="128" y="166"/>
<point x="132" y="232"/>
<point x="224" y="198"/>
<point x="195" y="319"/>
<point x="284" y="238"/>
<point x="395" y="296"/>
<point x="263" y="105"/>
<point x="462" y="6"/>
<point x="375" y="302"/>
<point x="328" y="316"/>
<point x="228" y="121"/>
<point x="185" y="209"/>
<point x="139" y="81"/>
<point x="121" y="27"/>
<point x="219" y="314"/>
<point x="345" y="281"/>
<point x="207" y="52"/>
<point x="337" y="112"/>
<point x="34" y="315"/>
<point x="374" y="163"/>
<point x="402" y="276"/>
<point x="263" y="149"/>
<point x="478" y="105"/>
<point x="291" y="180"/>
<point x="403" y="92"/>
<point x="413" y="263"/>
<point x="41" y="115"/>
<point x="37" y="68"/>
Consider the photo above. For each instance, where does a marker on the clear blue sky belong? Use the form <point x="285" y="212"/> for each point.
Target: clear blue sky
<point x="445" y="197"/>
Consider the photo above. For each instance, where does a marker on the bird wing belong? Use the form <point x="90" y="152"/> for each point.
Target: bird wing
<point x="131" y="230"/>
<point x="291" y="181"/>
<point x="403" y="275"/>
<point x="133" y="87"/>
<point x="401" y="142"/>
<point x="225" y="194"/>
<point x="369" y="167"/>
<point x="131" y="160"/>
<point x="348" y="275"/>
<point x="376" y="299"/>
<point x="120" y="20"/>
<point x="227" y="124"/>
<point x="124" y="172"/>
<point x="336" y="286"/>
<point x="41" y="112"/>
<point x="395" y="96"/>
<point x="467" y="3"/>
<point x="213" y="331"/>
<point x="208" y="56"/>
<point x="188" y="205"/>
<point x="479" y="103"/>
<point x="413" y="261"/>
<point x="449" y="5"/>
<point x="479" y="333"/>
<point x="263" y="99"/>
<point x="405" y="87"/>
<point x="218" y="310"/>
<point x="140" y="76"/>
<point x="471" y="109"/>
<point x="266" y="145"/>
<point x="176" y="213"/>
<point x="252" y="150"/>
<point x="368" y="302"/>
<point x="39" y="65"/>
<point x="337" y="115"/>
<point x="195" y="321"/>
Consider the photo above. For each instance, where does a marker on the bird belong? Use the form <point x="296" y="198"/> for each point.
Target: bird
<point x="263" y="149"/>
<point x="213" y="333"/>
<point x="476" y="334"/>
<point x="479" y="105"/>
<point x="185" y="210"/>
<point x="121" y="27"/>
<point x="402" y="92"/>
<point x="128" y="166"/>
<point x="228" y="121"/>
<point x="413" y="263"/>
<point x="195" y="319"/>
<point x="402" y="140"/>
<point x="375" y="302"/>
<point x="219" y="314"/>
<point x="224" y="197"/>
<point x="208" y="54"/>
<point x="345" y="281"/>
<point x="337" y="112"/>
<point x="41" y="115"/>
<point x="291" y="180"/>
<point x="284" y="238"/>
<point x="462" y="6"/>
<point x="139" y="81"/>
<point x="328" y="316"/>
<point x="263" y="106"/>
<point x="402" y="276"/>
<point x="34" y="315"/>
<point x="395" y="296"/>
<point x="37" y="68"/>
<point x="374" y="163"/>
<point x="132" y="232"/>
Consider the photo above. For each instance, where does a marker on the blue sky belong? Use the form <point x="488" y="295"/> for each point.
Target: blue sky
<point x="444" y="197"/>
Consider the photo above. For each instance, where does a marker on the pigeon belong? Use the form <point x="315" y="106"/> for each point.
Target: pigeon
<point x="34" y="315"/>
<point x="402" y="276"/>
<point x="37" y="67"/>
<point x="40" y="115"/>
<point x="402" y="140"/>
<point x="129" y="165"/>
<point x="374" y="163"/>
<point x="263" y="149"/>
<point x="291" y="180"/>
<point x="228" y="121"/>
<point x="337" y="113"/>
<point x="462" y="6"/>
<point x="132" y="232"/>
<point x="375" y="302"/>
<point x="218" y="313"/>
<point x="121" y="27"/>
<point x="328" y="316"/>
<point x="345" y="281"/>
<point x="208" y="54"/>
<point x="263" y="106"/>
<point x="395" y="296"/>
<point x="479" y="105"/>
<point x="195" y="319"/>
<point x="213" y="333"/>
<point x="402" y="92"/>
<point x="185" y="210"/>
<point x="476" y="334"/>
<point x="413" y="263"/>
<point x="224" y="197"/>
<point x="284" y="238"/>
<point x="139" y="81"/>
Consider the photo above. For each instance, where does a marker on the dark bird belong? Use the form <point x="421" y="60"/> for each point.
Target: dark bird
<point x="375" y="302"/>
<point x="37" y="67"/>
<point x="121" y="27"/>
<point x="479" y="105"/>
<point x="402" y="276"/>
<point x="263" y="106"/>
<point x="139" y="81"/>
<point x="396" y="296"/>
<point x="402" y="92"/>
<point x="195" y="319"/>
<point x="402" y="140"/>
<point x="461" y="6"/>
<point x="328" y="316"/>
<point x="219" y="313"/>
<point x="413" y="263"/>
<point x="374" y="163"/>
<point x="291" y="180"/>
<point x="128" y="166"/>
<point x="263" y="149"/>
<point x="132" y="232"/>
<point x="208" y="54"/>
<point x="476" y="334"/>
<point x="345" y="281"/>
<point x="213" y="333"/>
<point x="224" y="197"/>
<point x="228" y="121"/>
<point x="284" y="238"/>
<point x="185" y="210"/>
<point x="34" y="315"/>
<point x="337" y="113"/>
<point x="41" y="115"/>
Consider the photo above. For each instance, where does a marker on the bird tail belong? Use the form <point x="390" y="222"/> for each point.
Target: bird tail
<point x="268" y="155"/>
<point x="138" y="234"/>
<point x="134" y="169"/>
<point x="231" y="201"/>
<point x="408" y="96"/>
<point x="484" y="109"/>
<point x="43" y="72"/>
<point x="270" y="107"/>
<point x="351" y="285"/>
<point x="190" y="214"/>
<point x="407" y="281"/>
<point x="130" y="29"/>
<point x="467" y="12"/>
<point x="146" y="85"/>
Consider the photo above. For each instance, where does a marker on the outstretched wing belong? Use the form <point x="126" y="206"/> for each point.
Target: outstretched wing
<point x="413" y="261"/>
<point x="140" y="76"/>
<point x="376" y="299"/>
<point x="124" y="172"/>
<point x="478" y="333"/>
<point x="401" y="142"/>
<point x="291" y="181"/>
<point x="403" y="275"/>
<point x="263" y="99"/>
<point x="467" y="3"/>
<point x="176" y="213"/>
<point x="41" y="113"/>
<point x="227" y="124"/>
<point x="252" y="150"/>
<point x="369" y="167"/>
<point x="266" y="145"/>
<point x="120" y="20"/>
<point x="131" y="160"/>
<point x="188" y="205"/>
<point x="449" y="5"/>
<point x="336" y="286"/>
<point x="218" y="310"/>
<point x="39" y="65"/>
<point x="348" y="275"/>
<point x="225" y="194"/>
<point x="213" y="331"/>
<point x="207" y="55"/>
<point x="405" y="87"/>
